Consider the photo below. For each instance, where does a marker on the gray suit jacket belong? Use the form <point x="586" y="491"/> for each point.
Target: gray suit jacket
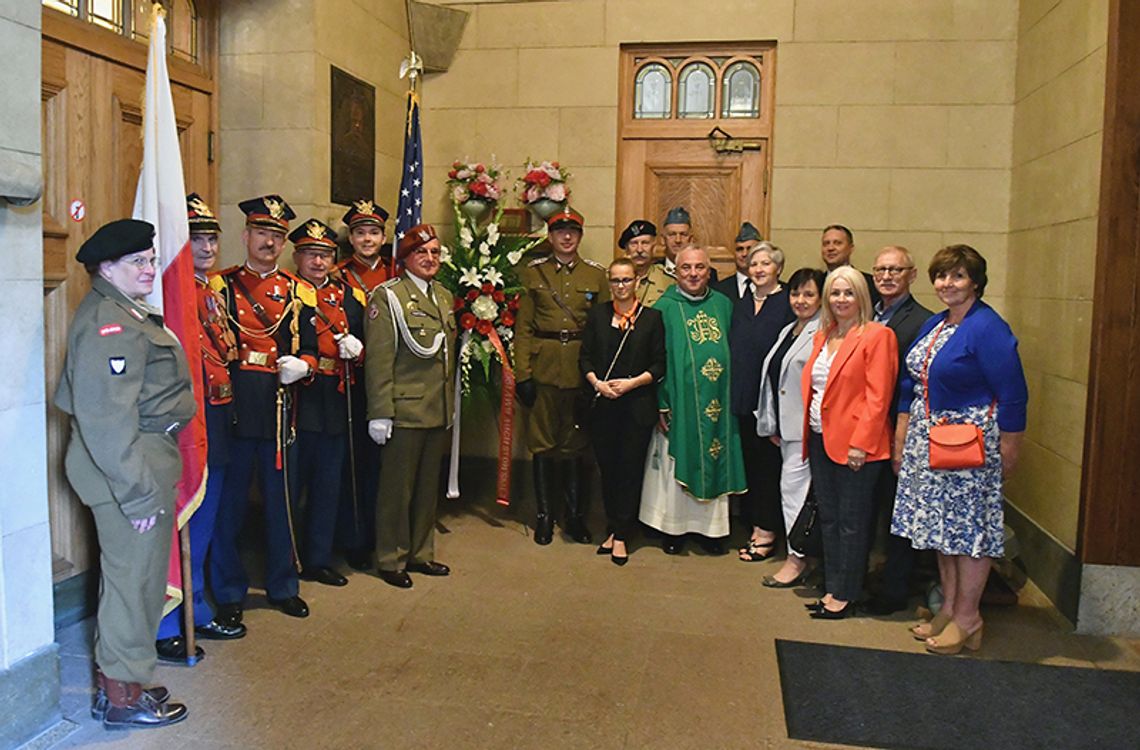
<point x="791" y="418"/>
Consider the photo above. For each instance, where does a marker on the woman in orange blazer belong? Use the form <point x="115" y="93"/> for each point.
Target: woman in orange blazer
<point x="848" y="382"/>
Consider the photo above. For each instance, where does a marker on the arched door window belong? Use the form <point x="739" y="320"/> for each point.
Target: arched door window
<point x="132" y="18"/>
<point x="653" y="93"/>
<point x="696" y="91"/>
<point x="741" y="95"/>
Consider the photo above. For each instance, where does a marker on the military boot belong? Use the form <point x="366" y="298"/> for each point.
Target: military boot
<point x="99" y="707"/>
<point x="576" y="484"/>
<point x="130" y="706"/>
<point x="544" y="522"/>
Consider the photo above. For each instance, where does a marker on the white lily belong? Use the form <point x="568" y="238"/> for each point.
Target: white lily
<point x="445" y="254"/>
<point x="470" y="277"/>
<point x="465" y="237"/>
<point x="514" y="256"/>
<point x="493" y="233"/>
<point x="492" y="276"/>
<point x="484" y="248"/>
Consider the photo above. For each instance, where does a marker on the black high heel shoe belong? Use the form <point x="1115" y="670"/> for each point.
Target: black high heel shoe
<point x="839" y="614"/>
<point x="815" y="606"/>
<point x="618" y="561"/>
<point x="603" y="550"/>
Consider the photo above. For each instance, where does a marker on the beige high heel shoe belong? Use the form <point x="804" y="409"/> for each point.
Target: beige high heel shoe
<point x="953" y="639"/>
<point x="924" y="630"/>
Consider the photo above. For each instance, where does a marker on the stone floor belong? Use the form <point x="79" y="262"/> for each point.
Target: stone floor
<point x="529" y="647"/>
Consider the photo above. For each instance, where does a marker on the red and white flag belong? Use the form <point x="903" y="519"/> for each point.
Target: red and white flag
<point x="161" y="200"/>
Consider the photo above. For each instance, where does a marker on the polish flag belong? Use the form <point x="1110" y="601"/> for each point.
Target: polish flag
<point x="161" y="200"/>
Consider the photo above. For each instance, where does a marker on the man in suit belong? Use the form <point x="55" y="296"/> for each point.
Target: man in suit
<point x="836" y="248"/>
<point x="738" y="284"/>
<point x="409" y="375"/>
<point x="894" y="272"/>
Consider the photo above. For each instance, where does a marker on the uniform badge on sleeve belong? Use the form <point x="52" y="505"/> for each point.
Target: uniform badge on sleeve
<point x="110" y="330"/>
<point x="118" y="365"/>
<point x="373" y="311"/>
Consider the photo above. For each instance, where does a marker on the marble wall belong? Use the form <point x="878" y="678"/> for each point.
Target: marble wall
<point x="275" y="100"/>
<point x="27" y="652"/>
<point x="1054" y="198"/>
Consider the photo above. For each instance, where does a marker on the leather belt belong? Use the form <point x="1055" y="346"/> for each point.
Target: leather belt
<point x="257" y="359"/>
<point x="564" y="335"/>
<point x="327" y="364"/>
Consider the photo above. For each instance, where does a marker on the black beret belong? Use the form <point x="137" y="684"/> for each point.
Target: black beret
<point x="116" y="239"/>
<point x="636" y="228"/>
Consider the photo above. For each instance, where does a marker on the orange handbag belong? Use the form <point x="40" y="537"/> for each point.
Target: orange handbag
<point x="952" y="446"/>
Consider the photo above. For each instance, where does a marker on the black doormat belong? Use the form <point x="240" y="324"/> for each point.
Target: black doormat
<point x="886" y="699"/>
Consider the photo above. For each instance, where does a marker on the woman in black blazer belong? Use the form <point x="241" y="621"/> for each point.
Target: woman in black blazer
<point x="757" y="320"/>
<point x="623" y="359"/>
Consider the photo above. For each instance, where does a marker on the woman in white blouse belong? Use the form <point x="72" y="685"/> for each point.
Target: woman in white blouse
<point x="780" y="413"/>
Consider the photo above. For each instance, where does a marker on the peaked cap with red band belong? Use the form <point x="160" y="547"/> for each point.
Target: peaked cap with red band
<point x="417" y="236"/>
<point x="567" y="218"/>
<point x="200" y="217"/>
<point x="268" y="212"/>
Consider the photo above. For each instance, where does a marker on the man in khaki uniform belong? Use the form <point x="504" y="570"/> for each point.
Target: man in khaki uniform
<point x="637" y="240"/>
<point x="561" y="289"/>
<point x="409" y="376"/>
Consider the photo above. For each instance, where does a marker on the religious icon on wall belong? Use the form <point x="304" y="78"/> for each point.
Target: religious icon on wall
<point x="353" y="138"/>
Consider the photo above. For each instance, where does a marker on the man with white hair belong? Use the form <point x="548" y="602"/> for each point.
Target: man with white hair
<point x="695" y="462"/>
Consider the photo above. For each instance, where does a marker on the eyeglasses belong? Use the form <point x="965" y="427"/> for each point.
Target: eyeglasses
<point x="890" y="270"/>
<point x="141" y="262"/>
<point x="622" y="282"/>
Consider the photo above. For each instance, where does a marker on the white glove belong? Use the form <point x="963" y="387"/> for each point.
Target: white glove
<point x="290" y="369"/>
<point x="380" y="430"/>
<point x="349" y="347"/>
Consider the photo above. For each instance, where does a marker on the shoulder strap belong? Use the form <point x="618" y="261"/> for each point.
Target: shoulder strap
<point x="258" y="310"/>
<point x="557" y="297"/>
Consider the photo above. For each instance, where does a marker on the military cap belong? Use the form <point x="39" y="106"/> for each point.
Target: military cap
<point x="420" y="234"/>
<point x="636" y="228"/>
<point x="678" y="215"/>
<point x="365" y="211"/>
<point x="567" y="218"/>
<point x="116" y="239"/>
<point x="313" y="233"/>
<point x="201" y="218"/>
<point x="268" y="211"/>
<point x="748" y="232"/>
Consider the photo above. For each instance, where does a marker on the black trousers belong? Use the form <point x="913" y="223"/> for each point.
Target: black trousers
<point x="900" y="555"/>
<point x="760" y="505"/>
<point x="620" y="445"/>
<point x="845" y="500"/>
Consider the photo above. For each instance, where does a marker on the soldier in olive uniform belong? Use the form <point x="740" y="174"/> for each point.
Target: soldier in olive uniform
<point x="561" y="289"/>
<point x="410" y="375"/>
<point x="126" y="385"/>
<point x="638" y="240"/>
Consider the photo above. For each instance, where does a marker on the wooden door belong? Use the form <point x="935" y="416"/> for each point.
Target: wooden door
<point x="714" y="159"/>
<point x="92" y="150"/>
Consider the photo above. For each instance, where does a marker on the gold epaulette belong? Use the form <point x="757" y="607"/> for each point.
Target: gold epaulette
<point x="305" y="291"/>
<point x="216" y="282"/>
<point x="358" y="293"/>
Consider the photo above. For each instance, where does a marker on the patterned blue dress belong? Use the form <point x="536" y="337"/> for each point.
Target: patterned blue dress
<point x="952" y="512"/>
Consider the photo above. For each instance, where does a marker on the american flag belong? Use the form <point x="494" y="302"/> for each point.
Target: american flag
<point x="409" y="210"/>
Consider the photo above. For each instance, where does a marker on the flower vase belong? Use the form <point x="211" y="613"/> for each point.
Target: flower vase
<point x="544" y="208"/>
<point x="476" y="209"/>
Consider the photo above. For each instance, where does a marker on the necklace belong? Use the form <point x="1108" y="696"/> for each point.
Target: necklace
<point x="762" y="297"/>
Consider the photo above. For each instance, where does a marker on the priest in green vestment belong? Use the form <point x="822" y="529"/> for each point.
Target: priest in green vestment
<point x="694" y="462"/>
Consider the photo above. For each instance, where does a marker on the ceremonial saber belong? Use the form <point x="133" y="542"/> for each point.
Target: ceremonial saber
<point x="352" y="453"/>
<point x="453" y="466"/>
<point x="283" y="456"/>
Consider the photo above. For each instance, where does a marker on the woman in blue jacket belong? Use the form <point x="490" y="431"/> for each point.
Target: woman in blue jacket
<point x="965" y="361"/>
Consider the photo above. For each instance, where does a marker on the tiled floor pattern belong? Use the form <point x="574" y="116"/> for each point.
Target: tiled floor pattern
<point x="529" y="647"/>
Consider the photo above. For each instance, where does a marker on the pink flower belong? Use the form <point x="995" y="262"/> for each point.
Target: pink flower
<point x="459" y="194"/>
<point x="557" y="191"/>
<point x="532" y="194"/>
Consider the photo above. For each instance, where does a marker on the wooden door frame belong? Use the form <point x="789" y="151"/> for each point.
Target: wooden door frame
<point x="1110" y="478"/>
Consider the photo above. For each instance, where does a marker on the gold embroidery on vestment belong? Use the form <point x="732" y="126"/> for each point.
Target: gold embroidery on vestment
<point x="712" y="369"/>
<point x="713" y="410"/>
<point x="703" y="327"/>
<point x="715" y="449"/>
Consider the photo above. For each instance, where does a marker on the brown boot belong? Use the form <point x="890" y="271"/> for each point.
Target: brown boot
<point x="131" y="707"/>
<point x="99" y="707"/>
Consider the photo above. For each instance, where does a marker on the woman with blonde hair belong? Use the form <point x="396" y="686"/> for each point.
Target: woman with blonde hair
<point x="847" y="384"/>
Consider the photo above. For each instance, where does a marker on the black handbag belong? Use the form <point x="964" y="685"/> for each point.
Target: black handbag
<point x="804" y="536"/>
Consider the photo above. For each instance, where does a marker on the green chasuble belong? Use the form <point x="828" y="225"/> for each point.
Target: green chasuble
<point x="703" y="436"/>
